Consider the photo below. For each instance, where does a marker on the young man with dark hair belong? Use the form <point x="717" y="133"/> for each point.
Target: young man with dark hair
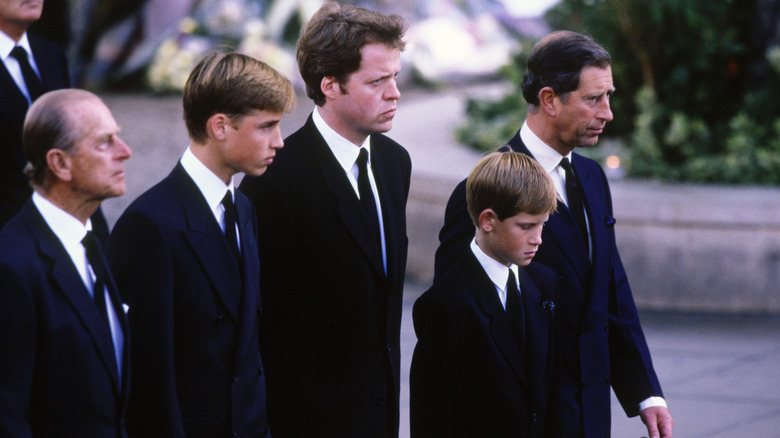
<point x="334" y="263"/>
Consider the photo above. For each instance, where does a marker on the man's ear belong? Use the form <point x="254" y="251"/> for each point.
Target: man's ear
<point x="547" y="101"/>
<point x="59" y="163"/>
<point x="217" y="125"/>
<point x="487" y="220"/>
<point x="330" y="87"/>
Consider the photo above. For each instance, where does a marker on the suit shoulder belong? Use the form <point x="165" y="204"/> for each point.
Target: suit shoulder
<point x="453" y="288"/>
<point x="15" y="242"/>
<point x="390" y="146"/>
<point x="157" y="205"/>
<point x="543" y="276"/>
<point x="585" y="163"/>
<point x="40" y="43"/>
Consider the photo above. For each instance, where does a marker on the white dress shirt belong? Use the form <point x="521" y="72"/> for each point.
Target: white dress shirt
<point x="346" y="154"/>
<point x="211" y="186"/>
<point x="497" y="271"/>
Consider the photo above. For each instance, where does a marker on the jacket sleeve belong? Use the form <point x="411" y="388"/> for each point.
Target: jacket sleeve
<point x="632" y="374"/>
<point x="17" y="353"/>
<point x="433" y="375"/>
<point x="456" y="234"/>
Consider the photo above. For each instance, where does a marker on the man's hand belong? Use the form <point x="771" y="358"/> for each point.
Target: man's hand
<point x="658" y="421"/>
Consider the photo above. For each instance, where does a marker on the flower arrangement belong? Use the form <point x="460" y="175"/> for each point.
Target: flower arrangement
<point x="234" y="23"/>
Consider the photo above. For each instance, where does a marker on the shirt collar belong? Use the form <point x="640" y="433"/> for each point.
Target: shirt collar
<point x="7" y="44"/>
<point x="65" y="226"/>
<point x="548" y="157"/>
<point x="498" y="272"/>
<point x="209" y="184"/>
<point x="344" y="150"/>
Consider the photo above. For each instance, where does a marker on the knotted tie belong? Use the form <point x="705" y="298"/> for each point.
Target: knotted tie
<point x="515" y="310"/>
<point x="366" y="194"/>
<point x="574" y="195"/>
<point x="230" y="224"/>
<point x="30" y="78"/>
<point x="95" y="258"/>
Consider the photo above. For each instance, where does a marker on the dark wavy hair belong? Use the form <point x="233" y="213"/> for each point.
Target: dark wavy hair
<point x="330" y="43"/>
<point x="557" y="60"/>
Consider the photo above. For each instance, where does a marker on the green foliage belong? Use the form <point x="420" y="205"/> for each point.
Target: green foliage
<point x="697" y="87"/>
<point x="491" y="123"/>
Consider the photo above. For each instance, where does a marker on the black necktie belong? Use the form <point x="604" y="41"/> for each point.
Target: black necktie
<point x="574" y="195"/>
<point x="30" y="78"/>
<point x="230" y="224"/>
<point x="515" y="310"/>
<point x="366" y="194"/>
<point x="95" y="258"/>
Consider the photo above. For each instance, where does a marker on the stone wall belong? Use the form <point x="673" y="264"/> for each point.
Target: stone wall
<point x="684" y="247"/>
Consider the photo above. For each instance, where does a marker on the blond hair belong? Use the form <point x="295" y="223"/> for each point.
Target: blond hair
<point x="509" y="183"/>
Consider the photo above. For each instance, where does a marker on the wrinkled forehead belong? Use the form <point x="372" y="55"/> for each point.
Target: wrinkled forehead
<point x="89" y="116"/>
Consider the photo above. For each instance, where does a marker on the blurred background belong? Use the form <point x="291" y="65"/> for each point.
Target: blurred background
<point x="697" y="80"/>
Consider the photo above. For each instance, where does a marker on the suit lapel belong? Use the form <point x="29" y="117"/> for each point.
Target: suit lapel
<point x="121" y="317"/>
<point x="490" y="305"/>
<point x="51" y="73"/>
<point x="14" y="105"/>
<point x="249" y="258"/>
<point x="205" y="237"/>
<point x="390" y="187"/>
<point x="348" y="206"/>
<point x="67" y="279"/>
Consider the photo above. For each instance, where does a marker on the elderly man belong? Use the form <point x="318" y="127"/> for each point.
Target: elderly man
<point x="62" y="326"/>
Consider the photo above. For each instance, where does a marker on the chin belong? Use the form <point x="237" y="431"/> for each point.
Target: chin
<point x="257" y="172"/>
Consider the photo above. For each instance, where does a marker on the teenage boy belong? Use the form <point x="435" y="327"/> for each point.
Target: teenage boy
<point x="483" y="360"/>
<point x="185" y="258"/>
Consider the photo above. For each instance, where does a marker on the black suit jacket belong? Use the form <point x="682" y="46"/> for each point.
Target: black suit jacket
<point x="601" y="340"/>
<point x="58" y="370"/>
<point x="333" y="317"/>
<point x="14" y="185"/>
<point x="468" y="377"/>
<point x="194" y="316"/>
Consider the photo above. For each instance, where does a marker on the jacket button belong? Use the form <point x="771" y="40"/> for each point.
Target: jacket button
<point x="382" y="400"/>
<point x="585" y="384"/>
<point x="220" y="319"/>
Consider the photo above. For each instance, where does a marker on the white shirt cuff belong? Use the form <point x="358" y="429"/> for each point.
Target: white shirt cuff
<point x="652" y="402"/>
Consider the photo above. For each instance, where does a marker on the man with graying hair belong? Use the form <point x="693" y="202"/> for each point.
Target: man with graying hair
<point x="568" y="85"/>
<point x="63" y="332"/>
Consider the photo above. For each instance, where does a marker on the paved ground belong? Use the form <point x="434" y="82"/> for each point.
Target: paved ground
<point x="721" y="374"/>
